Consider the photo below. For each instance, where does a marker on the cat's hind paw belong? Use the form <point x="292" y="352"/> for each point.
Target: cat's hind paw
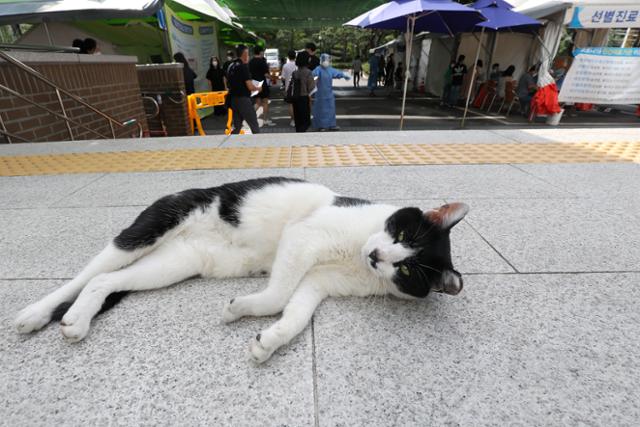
<point x="32" y="318"/>
<point x="259" y="350"/>
<point x="74" y="328"/>
<point x="231" y="311"/>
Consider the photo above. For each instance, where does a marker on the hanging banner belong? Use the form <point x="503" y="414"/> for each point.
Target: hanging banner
<point x="198" y="42"/>
<point x="603" y="75"/>
<point x="606" y="16"/>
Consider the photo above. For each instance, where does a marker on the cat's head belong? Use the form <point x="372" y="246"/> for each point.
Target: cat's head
<point x="414" y="253"/>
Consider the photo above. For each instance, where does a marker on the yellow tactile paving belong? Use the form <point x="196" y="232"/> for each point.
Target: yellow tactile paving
<point x="320" y="156"/>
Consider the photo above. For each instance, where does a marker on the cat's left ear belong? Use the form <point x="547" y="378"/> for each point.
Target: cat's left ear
<point x="446" y="216"/>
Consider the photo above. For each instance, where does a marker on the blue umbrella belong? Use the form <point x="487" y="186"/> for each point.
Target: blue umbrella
<point x="437" y="16"/>
<point x="500" y="17"/>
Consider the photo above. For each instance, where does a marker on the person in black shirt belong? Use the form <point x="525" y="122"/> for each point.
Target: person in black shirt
<point x="240" y="88"/>
<point x="260" y="72"/>
<point x="314" y="61"/>
<point x="225" y="66"/>
<point x="458" y="70"/>
<point x="215" y="75"/>
<point x="189" y="75"/>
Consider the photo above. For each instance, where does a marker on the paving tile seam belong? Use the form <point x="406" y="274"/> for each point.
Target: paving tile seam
<point x="321" y="156"/>
<point x="492" y="247"/>
<point x="314" y="373"/>
<point x="82" y="187"/>
<point x="552" y="184"/>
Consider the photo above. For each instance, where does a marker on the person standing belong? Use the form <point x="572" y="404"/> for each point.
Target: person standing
<point x="189" y="75"/>
<point x="388" y="72"/>
<point x="324" y="105"/>
<point x="240" y="88"/>
<point x="357" y="70"/>
<point x="303" y="84"/>
<point x="227" y="63"/>
<point x="527" y="86"/>
<point x="260" y="72"/>
<point x="215" y="75"/>
<point x="314" y="61"/>
<point x="381" y="70"/>
<point x="373" y="74"/>
<point x="446" y="88"/>
<point x="457" y="79"/>
<point x="287" y="72"/>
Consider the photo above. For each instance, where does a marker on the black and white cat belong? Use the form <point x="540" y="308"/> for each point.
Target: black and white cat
<point x="314" y="243"/>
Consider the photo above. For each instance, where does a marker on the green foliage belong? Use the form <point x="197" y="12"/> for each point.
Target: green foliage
<point x="344" y="43"/>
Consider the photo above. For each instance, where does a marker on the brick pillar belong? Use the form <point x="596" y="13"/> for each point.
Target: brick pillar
<point x="166" y="80"/>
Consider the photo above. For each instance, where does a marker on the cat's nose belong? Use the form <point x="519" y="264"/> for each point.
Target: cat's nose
<point x="373" y="256"/>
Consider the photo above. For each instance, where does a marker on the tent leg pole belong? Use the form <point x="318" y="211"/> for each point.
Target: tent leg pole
<point x="411" y="23"/>
<point x="473" y="76"/>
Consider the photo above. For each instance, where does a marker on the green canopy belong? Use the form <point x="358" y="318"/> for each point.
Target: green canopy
<point x="307" y="14"/>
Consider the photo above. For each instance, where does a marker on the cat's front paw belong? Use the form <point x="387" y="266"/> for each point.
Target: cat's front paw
<point x="260" y="349"/>
<point x="232" y="311"/>
<point x="32" y="318"/>
<point x="74" y="327"/>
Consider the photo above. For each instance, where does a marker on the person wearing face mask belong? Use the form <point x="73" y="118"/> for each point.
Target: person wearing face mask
<point x="231" y="56"/>
<point x="215" y="75"/>
<point x="324" y="105"/>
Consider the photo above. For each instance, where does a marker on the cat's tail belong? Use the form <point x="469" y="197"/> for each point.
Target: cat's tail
<point x="111" y="300"/>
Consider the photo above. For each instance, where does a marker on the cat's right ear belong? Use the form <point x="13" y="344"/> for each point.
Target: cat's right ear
<point x="446" y="216"/>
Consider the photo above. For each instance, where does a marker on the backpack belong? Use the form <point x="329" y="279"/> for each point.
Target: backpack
<point x="293" y="90"/>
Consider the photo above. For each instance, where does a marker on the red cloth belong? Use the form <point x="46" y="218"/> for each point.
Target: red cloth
<point x="638" y="111"/>
<point x="482" y="94"/>
<point x="581" y="106"/>
<point x="545" y="100"/>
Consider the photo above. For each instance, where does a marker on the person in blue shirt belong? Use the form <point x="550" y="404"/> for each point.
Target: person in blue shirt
<point x="324" y="104"/>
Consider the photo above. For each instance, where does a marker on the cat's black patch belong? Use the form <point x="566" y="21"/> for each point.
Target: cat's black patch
<point x="342" y="201"/>
<point x="167" y="212"/>
<point x="111" y="300"/>
<point x="231" y="194"/>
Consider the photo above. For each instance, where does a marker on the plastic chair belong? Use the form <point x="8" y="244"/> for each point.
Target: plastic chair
<point x="510" y="97"/>
<point x="201" y="100"/>
<point x="492" y="92"/>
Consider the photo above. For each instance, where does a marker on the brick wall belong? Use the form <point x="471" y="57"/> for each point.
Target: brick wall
<point x="168" y="81"/>
<point x="107" y="82"/>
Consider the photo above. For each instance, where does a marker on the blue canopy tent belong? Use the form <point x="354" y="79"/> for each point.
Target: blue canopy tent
<point x="437" y="16"/>
<point x="500" y="17"/>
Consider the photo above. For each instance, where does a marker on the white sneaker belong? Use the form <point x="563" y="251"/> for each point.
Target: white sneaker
<point x="292" y="123"/>
<point x="269" y="123"/>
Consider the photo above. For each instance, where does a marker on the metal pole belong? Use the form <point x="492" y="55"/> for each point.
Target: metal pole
<point x="64" y="113"/>
<point x="626" y="37"/>
<point x="4" y="128"/>
<point x="471" y="82"/>
<point x="411" y="24"/>
<point x="46" y="30"/>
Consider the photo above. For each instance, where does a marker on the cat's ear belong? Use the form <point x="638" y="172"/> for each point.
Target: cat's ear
<point x="451" y="282"/>
<point x="446" y="216"/>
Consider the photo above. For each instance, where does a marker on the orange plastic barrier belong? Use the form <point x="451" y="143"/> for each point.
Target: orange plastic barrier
<point x="200" y="100"/>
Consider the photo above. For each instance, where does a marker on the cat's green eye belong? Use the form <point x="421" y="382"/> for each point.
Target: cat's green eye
<point x="400" y="236"/>
<point x="404" y="270"/>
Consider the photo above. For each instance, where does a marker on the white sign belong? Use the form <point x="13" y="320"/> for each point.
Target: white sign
<point x="603" y="75"/>
<point x="197" y="41"/>
<point x="609" y="16"/>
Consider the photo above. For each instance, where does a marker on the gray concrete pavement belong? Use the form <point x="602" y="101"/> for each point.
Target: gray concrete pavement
<point x="546" y="331"/>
